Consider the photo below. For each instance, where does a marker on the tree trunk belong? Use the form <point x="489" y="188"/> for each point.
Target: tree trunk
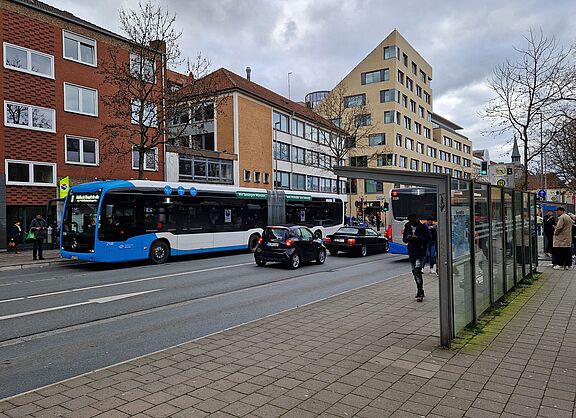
<point x="141" y="154"/>
<point x="525" y="164"/>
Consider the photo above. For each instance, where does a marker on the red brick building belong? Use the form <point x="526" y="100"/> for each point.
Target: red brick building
<point x="51" y="86"/>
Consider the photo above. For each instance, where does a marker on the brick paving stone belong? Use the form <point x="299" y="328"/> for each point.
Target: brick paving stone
<point x="134" y="407"/>
<point x="522" y="410"/>
<point x="23" y="410"/>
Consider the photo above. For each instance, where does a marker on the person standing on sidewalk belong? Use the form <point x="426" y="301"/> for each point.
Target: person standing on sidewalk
<point x="432" y="248"/>
<point x="549" y="224"/>
<point x="562" y="242"/>
<point x="416" y="236"/>
<point x="14" y="237"/>
<point x="38" y="226"/>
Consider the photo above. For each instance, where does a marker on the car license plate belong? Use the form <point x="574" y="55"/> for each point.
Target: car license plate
<point x="339" y="239"/>
<point x="272" y="244"/>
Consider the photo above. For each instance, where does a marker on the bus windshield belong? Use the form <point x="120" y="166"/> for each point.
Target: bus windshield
<point x="79" y="225"/>
<point x="420" y="201"/>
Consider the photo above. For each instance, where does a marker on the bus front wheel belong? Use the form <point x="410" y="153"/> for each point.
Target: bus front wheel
<point x="253" y="242"/>
<point x="159" y="252"/>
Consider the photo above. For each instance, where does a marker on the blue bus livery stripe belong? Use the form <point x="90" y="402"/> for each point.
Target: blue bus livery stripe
<point x="396" y="248"/>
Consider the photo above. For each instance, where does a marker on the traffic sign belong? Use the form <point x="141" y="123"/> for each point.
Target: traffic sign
<point x="501" y="182"/>
<point x="193" y="191"/>
<point x="541" y="193"/>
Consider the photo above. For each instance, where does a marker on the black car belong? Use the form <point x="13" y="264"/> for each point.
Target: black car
<point x="292" y="245"/>
<point x="356" y="239"/>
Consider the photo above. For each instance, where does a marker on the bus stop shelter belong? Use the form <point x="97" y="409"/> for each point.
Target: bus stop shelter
<point x="486" y="241"/>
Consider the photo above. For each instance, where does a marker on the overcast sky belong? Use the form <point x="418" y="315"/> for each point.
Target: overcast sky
<point x="320" y="41"/>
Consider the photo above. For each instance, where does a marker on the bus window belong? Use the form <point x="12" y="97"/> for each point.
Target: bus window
<point x="120" y="221"/>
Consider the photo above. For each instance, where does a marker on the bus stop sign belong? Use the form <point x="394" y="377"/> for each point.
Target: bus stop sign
<point x="541" y="193"/>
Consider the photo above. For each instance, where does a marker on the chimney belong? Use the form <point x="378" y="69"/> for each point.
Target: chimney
<point x="248" y="71"/>
<point x="158" y="45"/>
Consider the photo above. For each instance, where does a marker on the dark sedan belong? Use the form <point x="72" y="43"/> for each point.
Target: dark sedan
<point x="356" y="239"/>
<point x="291" y="245"/>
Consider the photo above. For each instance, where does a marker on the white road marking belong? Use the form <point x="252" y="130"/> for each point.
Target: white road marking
<point x="91" y="301"/>
<point x="165" y="276"/>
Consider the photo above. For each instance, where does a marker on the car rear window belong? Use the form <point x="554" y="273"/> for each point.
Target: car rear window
<point x="275" y="233"/>
<point x="348" y="231"/>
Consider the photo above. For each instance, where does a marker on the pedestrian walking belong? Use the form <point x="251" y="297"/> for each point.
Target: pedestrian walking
<point x="38" y="226"/>
<point x="416" y="236"/>
<point x="539" y="225"/>
<point x="432" y="248"/>
<point x="562" y="241"/>
<point x="14" y="237"/>
<point x="549" y="224"/>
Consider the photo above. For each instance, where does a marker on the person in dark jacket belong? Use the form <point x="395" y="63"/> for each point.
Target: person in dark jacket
<point x="416" y="236"/>
<point x="549" y="225"/>
<point x="432" y="248"/>
<point x="38" y="226"/>
<point x="14" y="237"/>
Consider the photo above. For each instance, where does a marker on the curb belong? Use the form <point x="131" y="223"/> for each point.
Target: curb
<point x="40" y="264"/>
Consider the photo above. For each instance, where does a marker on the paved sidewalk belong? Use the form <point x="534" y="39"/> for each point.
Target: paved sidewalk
<point x="11" y="261"/>
<point x="372" y="352"/>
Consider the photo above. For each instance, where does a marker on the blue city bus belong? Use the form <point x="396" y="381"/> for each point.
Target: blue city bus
<point x="120" y="220"/>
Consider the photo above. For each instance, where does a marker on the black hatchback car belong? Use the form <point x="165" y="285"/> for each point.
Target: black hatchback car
<point x="356" y="239"/>
<point x="291" y="245"/>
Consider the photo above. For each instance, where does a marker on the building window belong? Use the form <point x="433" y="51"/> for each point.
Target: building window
<point x="282" y="180"/>
<point x="282" y="151"/>
<point x="414" y="164"/>
<point x="373" y="186"/>
<point x="421" y="112"/>
<point x="79" y="99"/>
<point x="389" y="95"/>
<point x="423" y="76"/>
<point x="389" y="116"/>
<point x="407" y="122"/>
<point x="409" y="144"/>
<point x="18" y="115"/>
<point x="247" y="175"/>
<point x="149" y="113"/>
<point x="377" y="139"/>
<point x="355" y="101"/>
<point x="417" y="128"/>
<point x="298" y="181"/>
<point x="298" y="155"/>
<point x="323" y="137"/>
<point x="375" y="76"/>
<point x="466" y="162"/>
<point x="79" y="48"/>
<point x="426" y="167"/>
<point x="447" y="171"/>
<point x="150" y="159"/>
<point x="363" y="120"/>
<point x="444" y="156"/>
<point x="427" y="132"/>
<point x="361" y="161"/>
<point x="207" y="170"/>
<point x="311" y="133"/>
<point x="203" y="141"/>
<point x="311" y="158"/>
<point x="420" y="147"/>
<point x="448" y="141"/>
<point x="456" y="159"/>
<point x="402" y="162"/>
<point x="418" y="91"/>
<point x="458" y="174"/>
<point x="432" y="152"/>
<point x="81" y="150"/>
<point x="400" y="77"/>
<point x="427" y="97"/>
<point x="405" y="60"/>
<point x="313" y="184"/>
<point x="142" y="68"/>
<point x="466" y="149"/>
<point x="467" y="175"/>
<point x="399" y="140"/>
<point x="203" y="112"/>
<point x="30" y="173"/>
<point x="256" y="177"/>
<point x="386" y="160"/>
<point x="412" y="106"/>
<point x="409" y="84"/>
<point x="414" y="68"/>
<point x="391" y="52"/>
<point x="458" y="145"/>
<point x="437" y="169"/>
<point x="266" y="177"/>
<point x="298" y="128"/>
<point x="281" y="122"/>
<point x="28" y="61"/>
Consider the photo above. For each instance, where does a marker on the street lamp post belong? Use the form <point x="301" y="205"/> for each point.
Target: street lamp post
<point x="274" y="154"/>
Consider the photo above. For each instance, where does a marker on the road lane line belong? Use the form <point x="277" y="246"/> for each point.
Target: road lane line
<point x="105" y="299"/>
<point x="165" y="276"/>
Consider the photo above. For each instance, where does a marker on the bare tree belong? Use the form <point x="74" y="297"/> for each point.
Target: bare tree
<point x="562" y="153"/>
<point x="352" y="125"/>
<point x="530" y="90"/>
<point x="147" y="109"/>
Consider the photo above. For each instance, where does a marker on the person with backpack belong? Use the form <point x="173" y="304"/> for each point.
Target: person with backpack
<point x="416" y="236"/>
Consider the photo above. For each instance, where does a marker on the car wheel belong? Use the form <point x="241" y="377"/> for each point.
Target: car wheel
<point x="333" y="252"/>
<point x="253" y="242"/>
<point x="363" y="250"/>
<point x="385" y="247"/>
<point x="318" y="234"/>
<point x="261" y="263"/>
<point x="321" y="257"/>
<point x="159" y="252"/>
<point x="295" y="261"/>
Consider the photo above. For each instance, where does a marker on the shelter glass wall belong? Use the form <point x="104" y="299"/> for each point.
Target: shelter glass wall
<point x="509" y="239"/>
<point x="518" y="235"/>
<point x="498" y="244"/>
<point x="482" y="260"/>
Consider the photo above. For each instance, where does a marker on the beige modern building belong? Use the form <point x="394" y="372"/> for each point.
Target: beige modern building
<point x="394" y="82"/>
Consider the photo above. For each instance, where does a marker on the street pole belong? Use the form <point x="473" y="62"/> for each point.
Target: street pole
<point x="274" y="151"/>
<point x="542" y="176"/>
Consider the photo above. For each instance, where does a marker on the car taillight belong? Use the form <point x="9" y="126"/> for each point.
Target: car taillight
<point x="389" y="232"/>
<point x="351" y="241"/>
<point x="289" y="242"/>
<point x="328" y="239"/>
<point x="260" y="240"/>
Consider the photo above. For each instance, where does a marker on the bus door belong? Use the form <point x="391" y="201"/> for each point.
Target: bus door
<point x="118" y="230"/>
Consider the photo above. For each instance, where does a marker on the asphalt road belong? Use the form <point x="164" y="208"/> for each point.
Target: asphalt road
<point x="56" y="323"/>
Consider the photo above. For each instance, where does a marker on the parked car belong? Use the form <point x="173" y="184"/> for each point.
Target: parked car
<point x="356" y="239"/>
<point x="291" y="245"/>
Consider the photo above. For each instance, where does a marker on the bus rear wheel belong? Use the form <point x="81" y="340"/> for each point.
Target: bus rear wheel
<point x="159" y="252"/>
<point x="253" y="242"/>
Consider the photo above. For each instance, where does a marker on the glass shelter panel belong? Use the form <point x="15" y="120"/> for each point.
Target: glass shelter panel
<point x="519" y="235"/>
<point x="534" y="231"/>
<point x="509" y="239"/>
<point x="526" y="219"/>
<point x="498" y="244"/>
<point x="461" y="255"/>
<point x="482" y="261"/>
